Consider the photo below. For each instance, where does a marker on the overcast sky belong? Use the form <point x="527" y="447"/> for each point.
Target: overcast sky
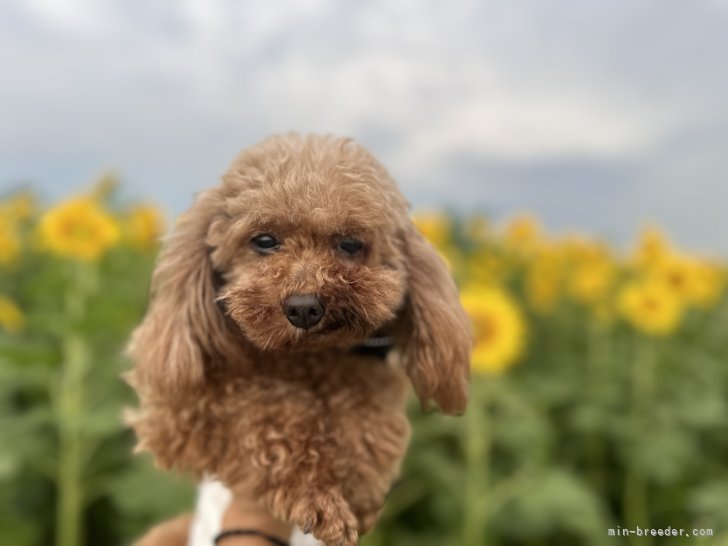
<point x="594" y="114"/>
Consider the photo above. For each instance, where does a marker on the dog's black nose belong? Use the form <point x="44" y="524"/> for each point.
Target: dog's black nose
<point x="304" y="311"/>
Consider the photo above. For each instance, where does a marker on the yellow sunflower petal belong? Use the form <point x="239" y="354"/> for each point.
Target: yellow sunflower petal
<point x="78" y="228"/>
<point x="143" y="226"/>
<point x="11" y="317"/>
<point x="499" y="329"/>
<point x="650" y="307"/>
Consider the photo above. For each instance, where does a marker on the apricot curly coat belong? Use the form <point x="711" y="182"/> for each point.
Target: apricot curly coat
<point x="229" y="387"/>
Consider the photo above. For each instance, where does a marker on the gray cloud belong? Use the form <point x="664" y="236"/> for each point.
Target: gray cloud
<point x="593" y="114"/>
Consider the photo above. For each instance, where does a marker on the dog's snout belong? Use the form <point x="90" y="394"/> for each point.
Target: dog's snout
<point x="304" y="310"/>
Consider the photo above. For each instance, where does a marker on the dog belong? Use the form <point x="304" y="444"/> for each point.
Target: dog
<point x="260" y="361"/>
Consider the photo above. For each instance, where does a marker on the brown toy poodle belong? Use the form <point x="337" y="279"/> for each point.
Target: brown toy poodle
<point x="254" y="362"/>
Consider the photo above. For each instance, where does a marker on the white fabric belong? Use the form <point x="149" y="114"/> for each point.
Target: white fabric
<point x="212" y="500"/>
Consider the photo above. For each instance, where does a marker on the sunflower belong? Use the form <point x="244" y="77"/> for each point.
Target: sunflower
<point x="695" y="282"/>
<point x="543" y="280"/>
<point x="499" y="329"/>
<point x="543" y="290"/>
<point x="484" y="267"/>
<point x="590" y="282"/>
<point x="708" y="287"/>
<point x="78" y="228"/>
<point x="523" y="234"/>
<point x="477" y="229"/>
<point x="143" y="226"/>
<point x="434" y="226"/>
<point x="582" y="250"/>
<point x="11" y="317"/>
<point x="9" y="239"/>
<point x="651" y="307"/>
<point x="652" y="249"/>
<point x="20" y="207"/>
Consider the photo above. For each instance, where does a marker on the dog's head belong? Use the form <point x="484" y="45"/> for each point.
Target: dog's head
<point x="306" y="245"/>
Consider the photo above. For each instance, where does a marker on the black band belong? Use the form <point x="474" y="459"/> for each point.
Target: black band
<point x="376" y="346"/>
<point x="248" y="533"/>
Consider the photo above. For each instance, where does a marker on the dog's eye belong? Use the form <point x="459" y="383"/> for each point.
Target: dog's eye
<point x="265" y="243"/>
<point x="351" y="246"/>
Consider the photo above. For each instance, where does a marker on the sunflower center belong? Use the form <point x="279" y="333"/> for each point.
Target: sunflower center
<point x="486" y="329"/>
<point x="651" y="304"/>
<point x="77" y="230"/>
<point x="676" y="280"/>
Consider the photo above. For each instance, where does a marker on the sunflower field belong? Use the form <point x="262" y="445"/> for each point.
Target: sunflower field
<point x="599" y="399"/>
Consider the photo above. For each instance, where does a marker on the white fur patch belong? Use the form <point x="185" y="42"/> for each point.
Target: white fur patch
<point x="212" y="500"/>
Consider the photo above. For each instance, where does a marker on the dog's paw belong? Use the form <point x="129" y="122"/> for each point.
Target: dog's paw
<point x="328" y="517"/>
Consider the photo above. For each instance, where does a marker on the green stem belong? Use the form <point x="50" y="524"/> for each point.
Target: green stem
<point x="70" y="411"/>
<point x="477" y="461"/>
<point x="598" y="347"/>
<point x="636" y="487"/>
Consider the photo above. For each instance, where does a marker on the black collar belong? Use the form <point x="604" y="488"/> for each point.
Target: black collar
<point x="377" y="346"/>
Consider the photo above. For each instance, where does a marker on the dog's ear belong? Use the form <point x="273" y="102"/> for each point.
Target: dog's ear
<point x="184" y="327"/>
<point x="436" y="332"/>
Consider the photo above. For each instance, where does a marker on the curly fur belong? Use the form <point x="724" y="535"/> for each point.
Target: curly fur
<point x="229" y="388"/>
